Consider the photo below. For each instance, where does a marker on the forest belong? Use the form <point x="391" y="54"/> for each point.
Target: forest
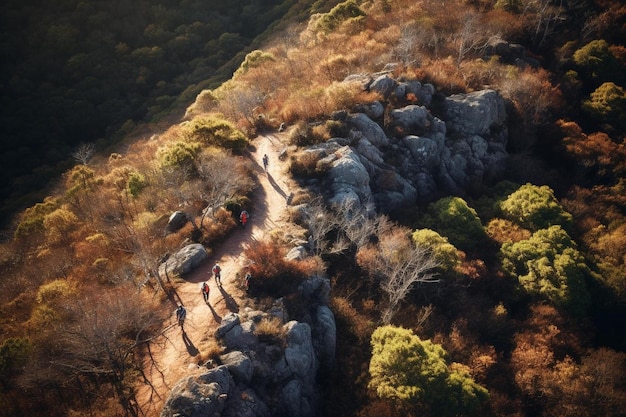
<point x="77" y="72"/>
<point x="528" y="315"/>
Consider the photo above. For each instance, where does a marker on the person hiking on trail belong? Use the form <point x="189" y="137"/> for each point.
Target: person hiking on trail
<point x="204" y="288"/>
<point x="246" y="281"/>
<point x="243" y="218"/>
<point x="266" y="161"/>
<point x="217" y="273"/>
<point x="181" y="313"/>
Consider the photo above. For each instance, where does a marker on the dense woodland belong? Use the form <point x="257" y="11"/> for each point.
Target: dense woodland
<point x="528" y="315"/>
<point x="78" y="72"/>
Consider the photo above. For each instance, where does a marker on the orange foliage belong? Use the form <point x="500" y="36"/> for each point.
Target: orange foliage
<point x="596" y="150"/>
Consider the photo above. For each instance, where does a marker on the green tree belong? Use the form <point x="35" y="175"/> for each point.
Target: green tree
<point x="535" y="207"/>
<point x="415" y="373"/>
<point x="215" y="131"/>
<point x="453" y="218"/>
<point x="549" y="266"/>
<point x="445" y="254"/>
<point x="608" y="105"/>
<point x="136" y="183"/>
<point x="254" y="59"/>
<point x="348" y="10"/>
<point x="181" y="155"/>
<point x="597" y="62"/>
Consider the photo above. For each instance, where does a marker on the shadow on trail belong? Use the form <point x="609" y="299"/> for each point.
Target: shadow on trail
<point x="231" y="304"/>
<point x="191" y="349"/>
<point x="275" y="185"/>
<point x="216" y="316"/>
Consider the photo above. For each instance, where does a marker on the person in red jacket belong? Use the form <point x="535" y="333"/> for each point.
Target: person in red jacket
<point x="243" y="218"/>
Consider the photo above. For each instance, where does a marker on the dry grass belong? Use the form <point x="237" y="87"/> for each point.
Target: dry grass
<point x="270" y="330"/>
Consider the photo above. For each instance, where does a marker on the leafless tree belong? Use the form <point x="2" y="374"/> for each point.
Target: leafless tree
<point x="101" y="337"/>
<point x="84" y="152"/>
<point x="398" y="264"/>
<point x="335" y="229"/>
<point x="222" y="178"/>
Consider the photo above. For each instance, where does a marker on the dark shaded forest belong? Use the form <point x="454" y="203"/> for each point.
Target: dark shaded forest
<point x="77" y="72"/>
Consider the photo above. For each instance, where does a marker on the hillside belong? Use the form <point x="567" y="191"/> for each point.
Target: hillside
<point x="473" y="151"/>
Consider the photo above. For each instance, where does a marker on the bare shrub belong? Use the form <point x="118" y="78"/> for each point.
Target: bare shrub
<point x="272" y="273"/>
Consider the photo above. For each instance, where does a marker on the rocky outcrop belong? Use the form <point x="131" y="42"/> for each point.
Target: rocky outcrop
<point x="413" y="155"/>
<point x="264" y="374"/>
<point x="184" y="261"/>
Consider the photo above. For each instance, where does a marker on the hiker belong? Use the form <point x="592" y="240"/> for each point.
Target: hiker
<point x="266" y="161"/>
<point x="246" y="281"/>
<point x="205" y="291"/>
<point x="217" y="273"/>
<point x="181" y="313"/>
<point x="243" y="218"/>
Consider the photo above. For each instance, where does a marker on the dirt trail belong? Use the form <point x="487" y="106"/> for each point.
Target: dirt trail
<point x="178" y="352"/>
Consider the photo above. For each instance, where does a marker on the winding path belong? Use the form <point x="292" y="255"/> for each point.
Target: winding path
<point x="174" y="354"/>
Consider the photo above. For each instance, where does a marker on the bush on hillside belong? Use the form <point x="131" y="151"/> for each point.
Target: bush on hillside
<point x="454" y="219"/>
<point x="549" y="266"/>
<point x="410" y="370"/>
<point x="215" y="131"/>
<point x="535" y="207"/>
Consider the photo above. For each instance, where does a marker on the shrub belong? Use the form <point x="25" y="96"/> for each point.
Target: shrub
<point x="31" y="221"/>
<point x="597" y="62"/>
<point x="272" y="273"/>
<point x="608" y="105"/>
<point x="252" y="60"/>
<point x="502" y="231"/>
<point x="348" y="10"/>
<point x="180" y="155"/>
<point x="453" y="218"/>
<point x="54" y="291"/>
<point x="216" y="131"/>
<point x="445" y="254"/>
<point x="14" y="353"/>
<point x="408" y="369"/>
<point x="549" y="266"/>
<point x="535" y="207"/>
<point x="136" y="183"/>
<point x="270" y="330"/>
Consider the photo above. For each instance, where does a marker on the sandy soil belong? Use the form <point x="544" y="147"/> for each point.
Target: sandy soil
<point x="177" y="352"/>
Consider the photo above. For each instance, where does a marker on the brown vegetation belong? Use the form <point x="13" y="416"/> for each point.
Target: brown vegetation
<point x="81" y="272"/>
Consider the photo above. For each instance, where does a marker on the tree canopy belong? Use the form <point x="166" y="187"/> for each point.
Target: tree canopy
<point x="415" y="372"/>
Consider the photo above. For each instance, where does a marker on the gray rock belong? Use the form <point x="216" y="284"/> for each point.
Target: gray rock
<point x="294" y="402"/>
<point x="324" y="331"/>
<point x="315" y="290"/>
<point x="384" y="85"/>
<point x="299" y="352"/>
<point x="245" y="403"/>
<point x="229" y="321"/>
<point x="348" y="179"/>
<point x="423" y="150"/>
<point x="370" y="129"/>
<point x="176" y="221"/>
<point x="184" y="261"/>
<point x="474" y="113"/>
<point x="201" y="395"/>
<point x="239" y="365"/>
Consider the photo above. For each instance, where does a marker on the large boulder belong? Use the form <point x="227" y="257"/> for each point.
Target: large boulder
<point x="184" y="261"/>
<point x="348" y="179"/>
<point x="202" y="395"/>
<point x="369" y="128"/>
<point x="476" y="113"/>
